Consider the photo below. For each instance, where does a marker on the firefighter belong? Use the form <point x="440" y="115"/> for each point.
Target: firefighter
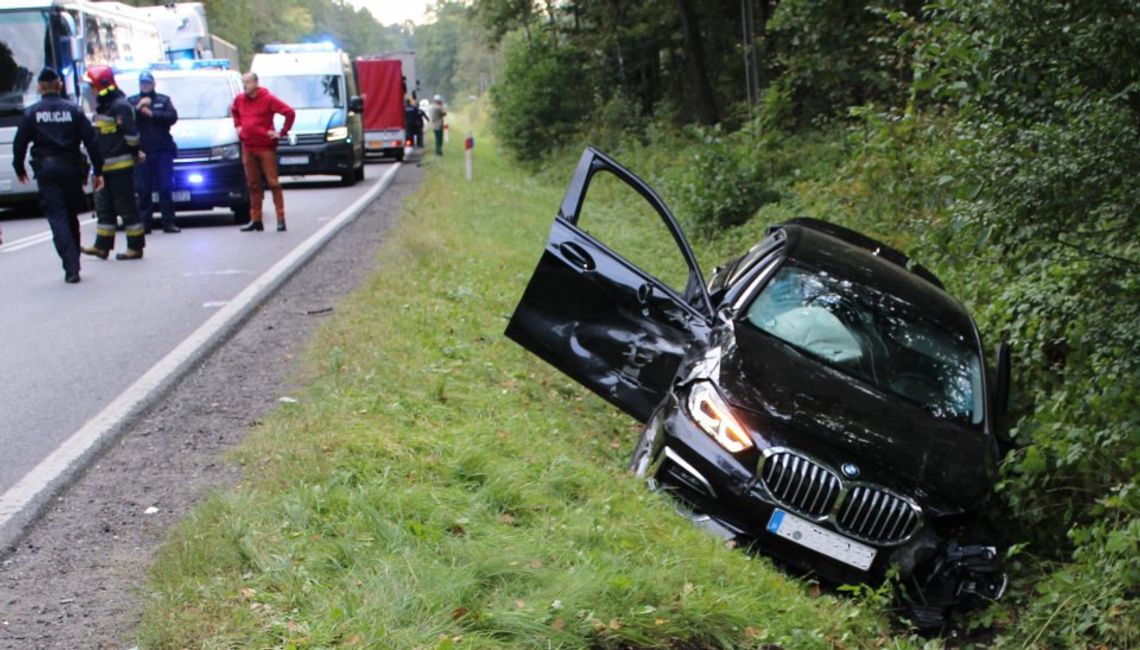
<point x="118" y="141"/>
<point x="54" y="127"/>
<point x="155" y="114"/>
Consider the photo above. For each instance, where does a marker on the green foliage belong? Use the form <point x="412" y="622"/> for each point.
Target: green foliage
<point x="722" y="183"/>
<point x="837" y="54"/>
<point x="536" y="105"/>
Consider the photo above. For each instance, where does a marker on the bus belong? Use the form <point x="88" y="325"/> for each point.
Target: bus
<point x="68" y="35"/>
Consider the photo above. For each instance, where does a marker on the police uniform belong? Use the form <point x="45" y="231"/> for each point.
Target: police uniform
<point x="156" y="173"/>
<point x="118" y="140"/>
<point x="54" y="127"/>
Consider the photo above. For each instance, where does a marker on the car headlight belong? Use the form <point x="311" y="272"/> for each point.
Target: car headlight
<point x="336" y="133"/>
<point x="710" y="412"/>
<point x="226" y="152"/>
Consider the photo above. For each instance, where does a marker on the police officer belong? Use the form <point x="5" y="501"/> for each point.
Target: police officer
<point x="155" y="114"/>
<point x="54" y="127"/>
<point x="118" y="141"/>
<point x="414" y="123"/>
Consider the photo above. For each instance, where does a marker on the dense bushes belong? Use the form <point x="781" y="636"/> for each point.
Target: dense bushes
<point x="537" y="103"/>
<point x="998" y="141"/>
<point x="721" y="182"/>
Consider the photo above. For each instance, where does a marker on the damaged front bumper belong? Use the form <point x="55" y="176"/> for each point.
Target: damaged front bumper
<point x="717" y="491"/>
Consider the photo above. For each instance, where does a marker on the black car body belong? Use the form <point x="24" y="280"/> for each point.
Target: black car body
<point x="821" y="397"/>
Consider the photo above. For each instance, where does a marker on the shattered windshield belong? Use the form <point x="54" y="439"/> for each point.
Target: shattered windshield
<point x="875" y="337"/>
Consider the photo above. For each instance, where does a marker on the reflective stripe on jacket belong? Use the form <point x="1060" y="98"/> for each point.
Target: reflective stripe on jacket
<point x="116" y="131"/>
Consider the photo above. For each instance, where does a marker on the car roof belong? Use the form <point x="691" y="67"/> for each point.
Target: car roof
<point x="181" y="72"/>
<point x="843" y="259"/>
<point x="298" y="63"/>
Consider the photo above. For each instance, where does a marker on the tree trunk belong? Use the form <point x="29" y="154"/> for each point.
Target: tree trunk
<point x="695" y="63"/>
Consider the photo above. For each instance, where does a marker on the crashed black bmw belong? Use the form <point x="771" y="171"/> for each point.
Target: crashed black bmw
<point x="821" y="397"/>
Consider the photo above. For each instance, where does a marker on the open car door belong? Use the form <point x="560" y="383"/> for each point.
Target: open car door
<point x="609" y="325"/>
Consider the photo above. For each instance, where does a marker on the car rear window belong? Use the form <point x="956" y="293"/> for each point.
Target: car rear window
<point x="875" y="337"/>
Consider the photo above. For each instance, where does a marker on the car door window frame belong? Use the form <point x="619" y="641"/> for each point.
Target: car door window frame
<point x="594" y="161"/>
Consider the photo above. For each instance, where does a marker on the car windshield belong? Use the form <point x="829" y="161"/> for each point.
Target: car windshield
<point x="874" y="337"/>
<point x="194" y="97"/>
<point x="305" y="91"/>
<point x="24" y="42"/>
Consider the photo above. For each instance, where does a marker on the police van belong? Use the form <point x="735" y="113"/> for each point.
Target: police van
<point x="208" y="170"/>
<point x="317" y="81"/>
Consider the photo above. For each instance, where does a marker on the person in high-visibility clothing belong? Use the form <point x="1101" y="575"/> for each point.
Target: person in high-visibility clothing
<point x="118" y="140"/>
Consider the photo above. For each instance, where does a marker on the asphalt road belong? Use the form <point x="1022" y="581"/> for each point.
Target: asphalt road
<point x="66" y="351"/>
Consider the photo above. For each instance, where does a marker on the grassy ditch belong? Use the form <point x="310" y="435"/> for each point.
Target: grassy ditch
<point x="438" y="487"/>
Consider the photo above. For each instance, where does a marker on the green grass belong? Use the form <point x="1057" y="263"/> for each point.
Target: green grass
<point x="438" y="487"/>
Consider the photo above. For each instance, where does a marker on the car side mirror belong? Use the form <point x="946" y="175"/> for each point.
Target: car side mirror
<point x="1000" y="394"/>
<point x="356" y="104"/>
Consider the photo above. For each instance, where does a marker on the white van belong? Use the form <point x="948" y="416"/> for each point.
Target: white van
<point x="317" y="80"/>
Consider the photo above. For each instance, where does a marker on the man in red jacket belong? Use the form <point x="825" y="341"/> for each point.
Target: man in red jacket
<point x="253" y="113"/>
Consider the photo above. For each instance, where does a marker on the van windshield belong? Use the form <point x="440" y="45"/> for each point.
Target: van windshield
<point x="194" y="97"/>
<point x="306" y="90"/>
<point x="25" y="47"/>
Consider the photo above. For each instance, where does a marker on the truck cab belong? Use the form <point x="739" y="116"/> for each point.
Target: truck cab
<point x="318" y="82"/>
<point x="208" y="170"/>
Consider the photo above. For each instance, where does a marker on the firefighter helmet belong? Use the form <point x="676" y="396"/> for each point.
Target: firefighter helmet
<point x="102" y="78"/>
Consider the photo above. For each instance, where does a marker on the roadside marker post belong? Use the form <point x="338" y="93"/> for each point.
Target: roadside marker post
<point x="468" y="145"/>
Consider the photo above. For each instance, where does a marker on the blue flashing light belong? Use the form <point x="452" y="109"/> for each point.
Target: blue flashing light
<point x="195" y="179"/>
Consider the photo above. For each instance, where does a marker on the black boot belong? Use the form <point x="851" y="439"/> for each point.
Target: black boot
<point x="252" y="226"/>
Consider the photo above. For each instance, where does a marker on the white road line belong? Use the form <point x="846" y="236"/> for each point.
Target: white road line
<point x="196" y="274"/>
<point x="67" y="455"/>
<point x="32" y="240"/>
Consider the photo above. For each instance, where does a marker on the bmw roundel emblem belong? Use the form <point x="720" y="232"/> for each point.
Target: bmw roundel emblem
<point x="850" y="470"/>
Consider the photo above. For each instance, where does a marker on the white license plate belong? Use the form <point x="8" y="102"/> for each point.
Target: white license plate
<point x="293" y="160"/>
<point x="178" y="196"/>
<point x="820" y="540"/>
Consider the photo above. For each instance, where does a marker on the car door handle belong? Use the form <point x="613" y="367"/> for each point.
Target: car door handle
<point x="577" y="255"/>
<point x="644" y="293"/>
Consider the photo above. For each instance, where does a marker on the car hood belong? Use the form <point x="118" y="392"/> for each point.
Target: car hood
<point x="201" y="133"/>
<point x="823" y="412"/>
<point x="313" y="120"/>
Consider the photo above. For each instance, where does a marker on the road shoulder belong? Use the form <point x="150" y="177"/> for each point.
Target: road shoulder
<point x="70" y="582"/>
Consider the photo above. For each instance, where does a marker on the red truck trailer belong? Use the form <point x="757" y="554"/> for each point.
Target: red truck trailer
<point x="381" y="86"/>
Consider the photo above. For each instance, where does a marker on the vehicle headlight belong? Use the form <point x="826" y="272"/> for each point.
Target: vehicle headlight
<point x="710" y="412"/>
<point x="225" y="152"/>
<point x="336" y="133"/>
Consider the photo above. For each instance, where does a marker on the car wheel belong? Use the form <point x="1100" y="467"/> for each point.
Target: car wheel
<point x="647" y="449"/>
<point x="241" y="214"/>
<point x="360" y="173"/>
